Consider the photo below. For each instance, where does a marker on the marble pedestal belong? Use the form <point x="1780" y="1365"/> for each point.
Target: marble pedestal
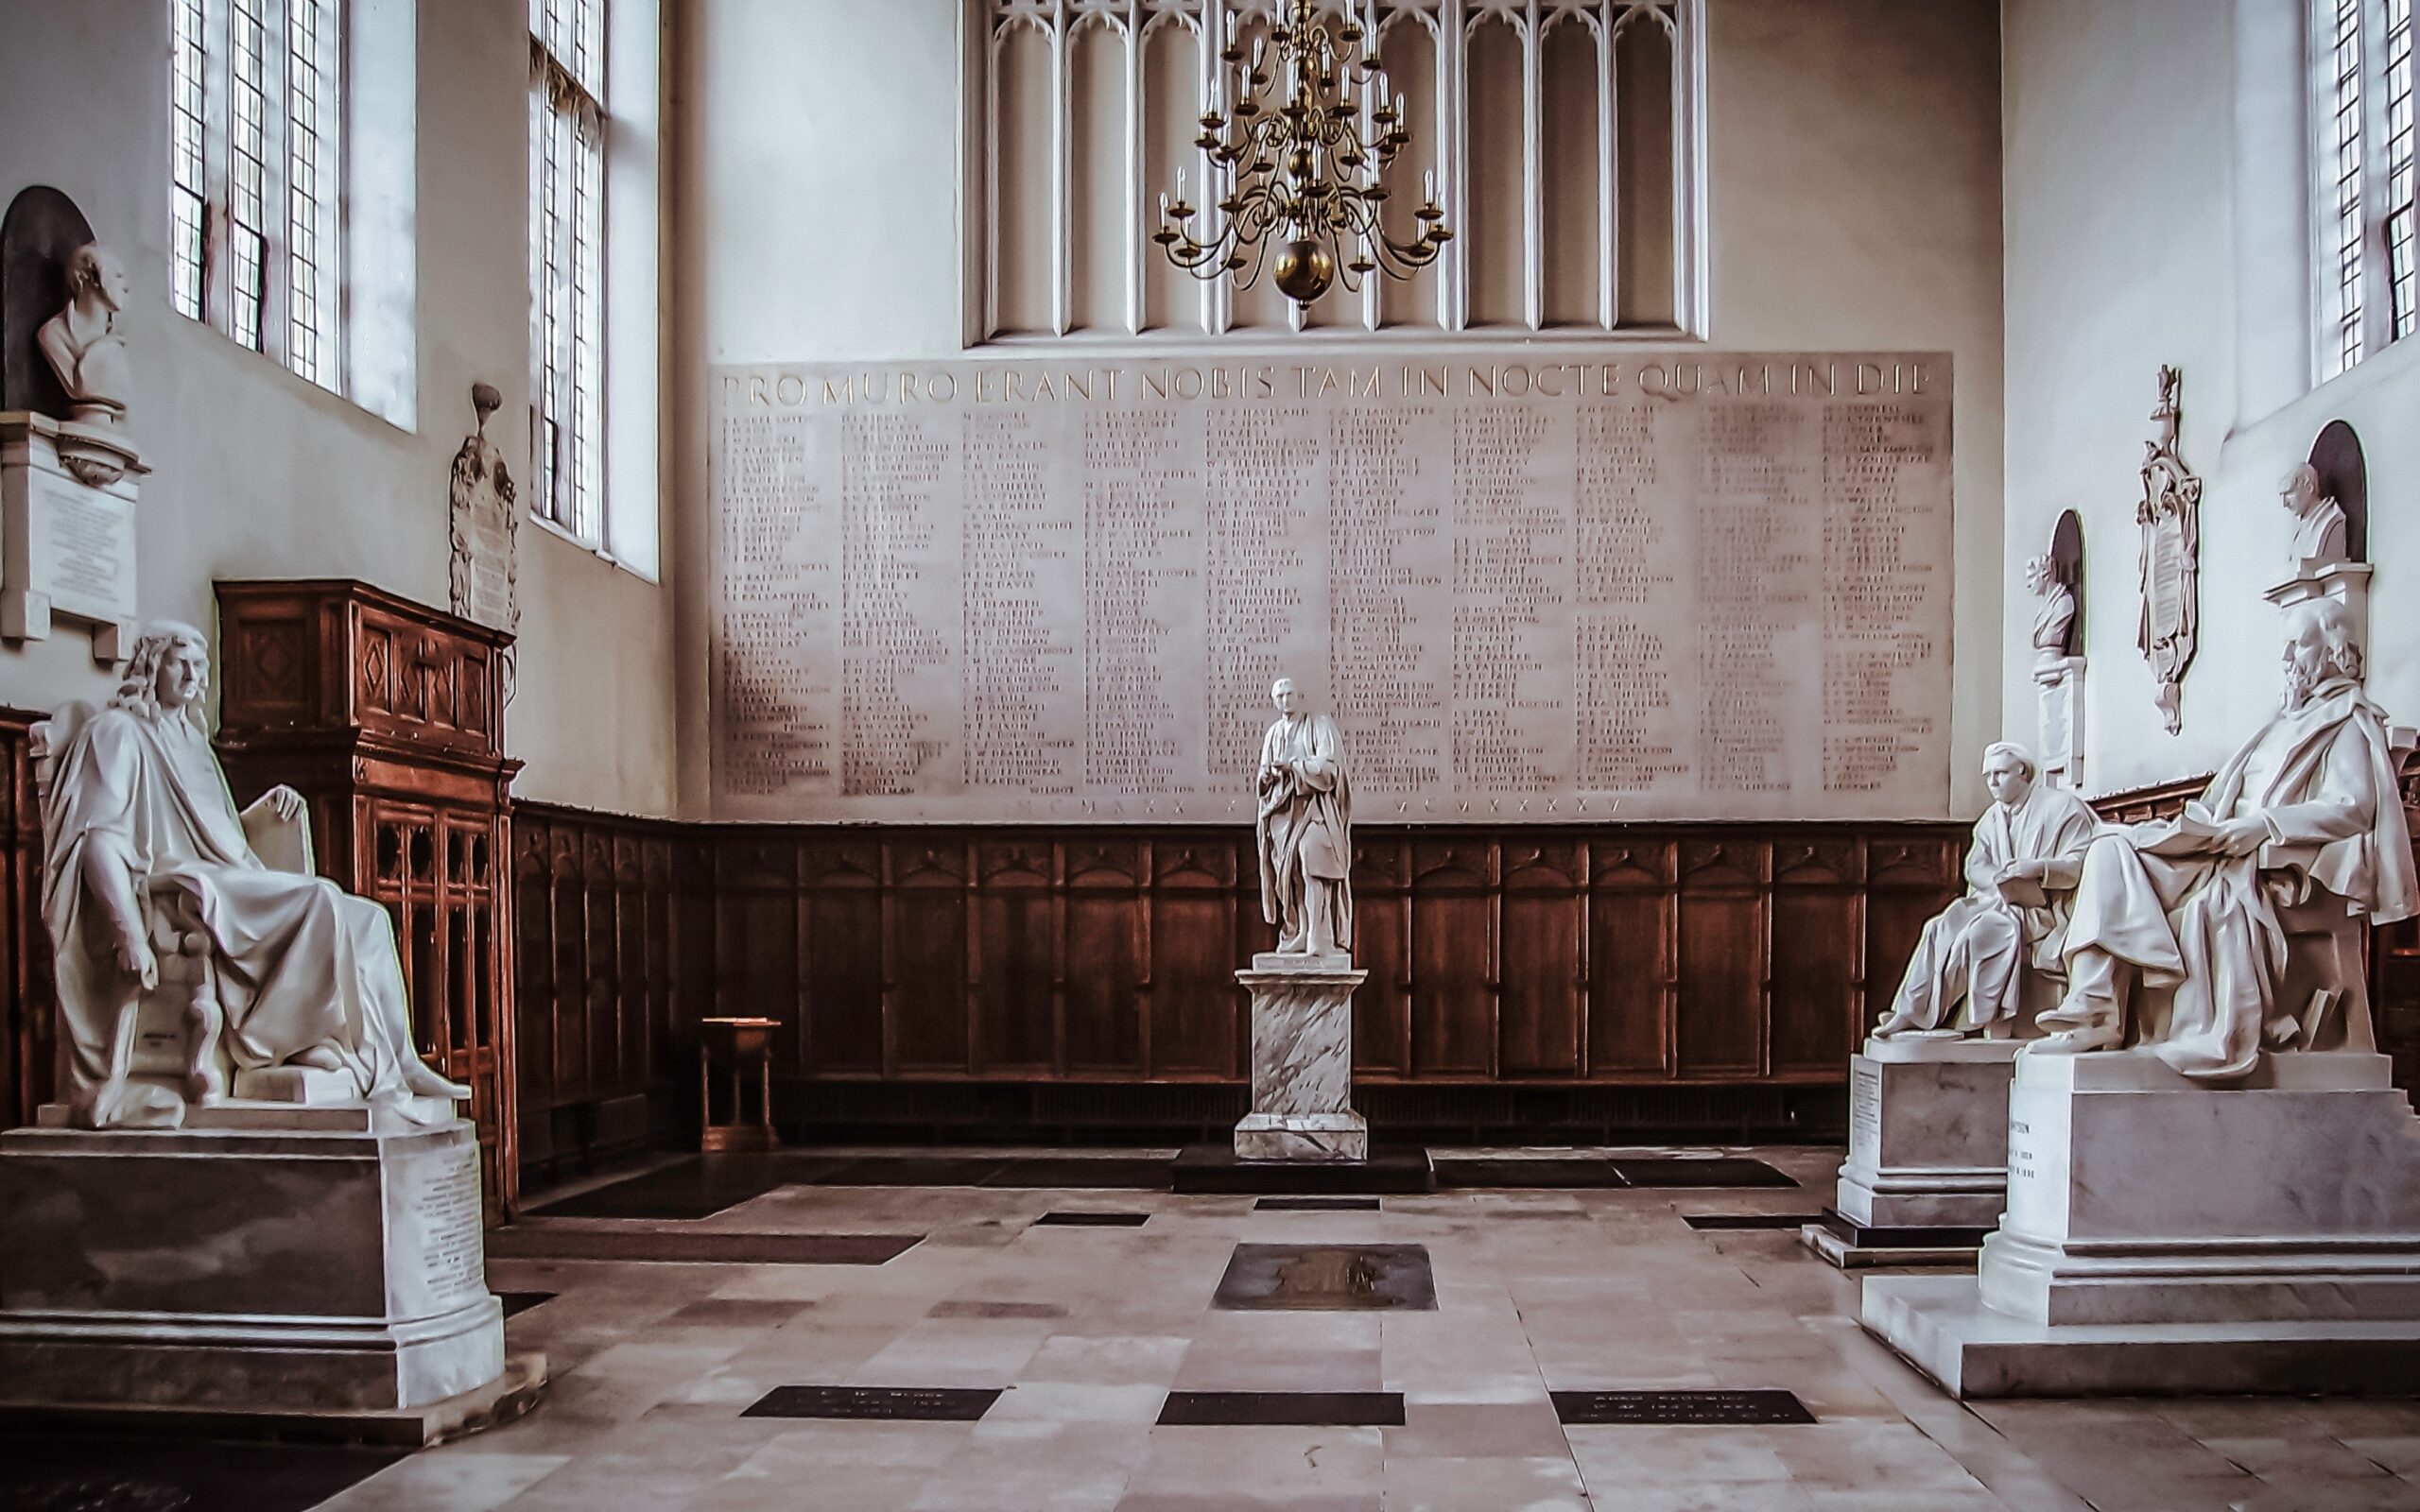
<point x="1927" y="1172"/>
<point x="245" y="1268"/>
<point x="1301" y="1061"/>
<point x="2162" y="1236"/>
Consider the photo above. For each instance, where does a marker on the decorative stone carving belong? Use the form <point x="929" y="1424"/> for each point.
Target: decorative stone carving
<point x="1302" y="993"/>
<point x="483" y="526"/>
<point x="196" y="954"/>
<point x="2028" y="851"/>
<point x="2170" y="559"/>
<point x="2181" y="926"/>
<point x="82" y="342"/>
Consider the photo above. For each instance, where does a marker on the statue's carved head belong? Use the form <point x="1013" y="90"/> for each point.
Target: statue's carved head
<point x="2009" y="771"/>
<point x="94" y="269"/>
<point x="168" y="671"/>
<point x="1287" y="698"/>
<point x="2322" y="645"/>
<point x="2301" y="491"/>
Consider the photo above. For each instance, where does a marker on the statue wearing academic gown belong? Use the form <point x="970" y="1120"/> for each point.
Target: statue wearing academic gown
<point x="1304" y="831"/>
<point x="2029" y="847"/>
<point x="2309" y="802"/>
<point x="136" y="806"/>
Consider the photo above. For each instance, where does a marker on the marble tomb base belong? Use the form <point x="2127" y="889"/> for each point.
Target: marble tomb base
<point x="2162" y="1236"/>
<point x="256" y="1269"/>
<point x="1301" y="1061"/>
<point x="1927" y="1174"/>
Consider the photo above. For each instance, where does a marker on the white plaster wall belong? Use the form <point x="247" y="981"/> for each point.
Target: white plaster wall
<point x="1854" y="174"/>
<point x="257" y="474"/>
<point x="2144" y="198"/>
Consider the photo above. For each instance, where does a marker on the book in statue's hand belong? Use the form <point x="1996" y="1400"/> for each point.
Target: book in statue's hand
<point x="2193" y="833"/>
<point x="2023" y="892"/>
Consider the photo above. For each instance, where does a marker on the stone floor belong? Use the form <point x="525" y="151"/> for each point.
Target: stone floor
<point x="1088" y="1328"/>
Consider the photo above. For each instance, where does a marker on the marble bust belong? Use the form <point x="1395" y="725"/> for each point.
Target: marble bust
<point x="148" y="863"/>
<point x="82" y="342"/>
<point x="2307" y="811"/>
<point x="2319" y="521"/>
<point x="2029" y="848"/>
<point x="1305" y="830"/>
<point x="2057" y="616"/>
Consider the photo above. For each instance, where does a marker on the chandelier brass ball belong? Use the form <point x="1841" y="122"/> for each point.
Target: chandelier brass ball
<point x="1304" y="271"/>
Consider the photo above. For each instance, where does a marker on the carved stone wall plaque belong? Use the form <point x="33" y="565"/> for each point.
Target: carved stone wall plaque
<point x="2170" y="562"/>
<point x="1571" y="588"/>
<point x="483" y="526"/>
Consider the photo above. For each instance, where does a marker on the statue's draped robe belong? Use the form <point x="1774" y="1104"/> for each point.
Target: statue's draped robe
<point x="302" y="963"/>
<point x="1963" y="975"/>
<point x="1305" y="828"/>
<point x="2205" y="926"/>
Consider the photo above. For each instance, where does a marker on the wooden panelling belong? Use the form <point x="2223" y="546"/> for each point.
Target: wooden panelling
<point x="29" y="1006"/>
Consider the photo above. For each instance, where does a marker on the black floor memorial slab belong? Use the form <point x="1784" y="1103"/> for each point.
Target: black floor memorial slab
<point x="1327" y="1278"/>
<point x="1708" y="1408"/>
<point x="1103" y="1173"/>
<point x="69" y="1472"/>
<point x="753" y="1313"/>
<point x="523" y="1241"/>
<point x="696" y="1188"/>
<point x="516" y="1303"/>
<point x="931" y="1404"/>
<point x="985" y="1307"/>
<point x="1317" y="1205"/>
<point x="1750" y="1220"/>
<point x="1698" y="1171"/>
<point x="1391" y="1168"/>
<point x="1093" y="1220"/>
<point x="1547" y="1173"/>
<point x="1283" y="1409"/>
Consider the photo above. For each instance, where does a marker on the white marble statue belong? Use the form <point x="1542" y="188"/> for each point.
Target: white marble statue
<point x="1305" y="830"/>
<point x="82" y="342"/>
<point x="2309" y="802"/>
<point x="136" y="819"/>
<point x="2319" y="521"/>
<point x="2028" y="848"/>
<point x="2057" y="614"/>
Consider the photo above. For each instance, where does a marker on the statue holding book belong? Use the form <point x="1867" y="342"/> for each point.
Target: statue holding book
<point x="2028" y="848"/>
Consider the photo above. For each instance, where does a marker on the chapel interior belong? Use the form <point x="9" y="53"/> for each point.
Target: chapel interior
<point x="1182" y="755"/>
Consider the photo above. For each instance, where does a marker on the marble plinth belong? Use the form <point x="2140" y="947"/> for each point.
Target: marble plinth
<point x="1302" y="1061"/>
<point x="2162" y="1235"/>
<point x="245" y="1268"/>
<point x="1927" y="1172"/>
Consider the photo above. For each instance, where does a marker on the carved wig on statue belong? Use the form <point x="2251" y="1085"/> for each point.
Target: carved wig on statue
<point x="137" y="824"/>
<point x="2307" y="811"/>
<point x="2028" y="848"/>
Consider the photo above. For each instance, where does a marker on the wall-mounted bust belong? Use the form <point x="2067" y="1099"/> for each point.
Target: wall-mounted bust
<point x="82" y="342"/>
<point x="2054" y="623"/>
<point x="2319" y="519"/>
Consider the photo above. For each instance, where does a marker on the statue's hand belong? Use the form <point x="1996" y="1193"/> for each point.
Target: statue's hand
<point x="134" y="957"/>
<point x="2244" y="837"/>
<point x="285" y="802"/>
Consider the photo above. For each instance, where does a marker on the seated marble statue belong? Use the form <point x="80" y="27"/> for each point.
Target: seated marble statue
<point x="2308" y="811"/>
<point x="136" y="815"/>
<point x="2029" y="847"/>
<point x="1305" y="830"/>
<point x="82" y="343"/>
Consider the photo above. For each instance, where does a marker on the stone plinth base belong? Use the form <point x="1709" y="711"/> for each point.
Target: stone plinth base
<point x="245" y="1269"/>
<point x="1302" y="1061"/>
<point x="2151" y="1221"/>
<point x="1927" y="1174"/>
<point x="501" y="1401"/>
<point x="1941" y="1326"/>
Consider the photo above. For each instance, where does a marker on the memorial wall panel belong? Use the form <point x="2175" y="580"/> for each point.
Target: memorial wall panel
<point x="1647" y="586"/>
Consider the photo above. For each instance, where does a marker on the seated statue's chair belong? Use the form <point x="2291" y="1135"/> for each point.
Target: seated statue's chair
<point x="173" y="1036"/>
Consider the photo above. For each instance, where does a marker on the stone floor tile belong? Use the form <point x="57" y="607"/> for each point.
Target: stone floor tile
<point x="1079" y="1403"/>
<point x="1538" y="1484"/>
<point x="2275" y="1457"/>
<point x="1614" y="1457"/>
<point x="438" y="1480"/>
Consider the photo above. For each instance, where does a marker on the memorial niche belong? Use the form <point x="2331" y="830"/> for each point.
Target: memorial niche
<point x="1637" y="588"/>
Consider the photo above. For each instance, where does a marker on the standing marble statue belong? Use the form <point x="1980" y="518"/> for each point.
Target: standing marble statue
<point x="2309" y="802"/>
<point x="137" y="818"/>
<point x="1305" y="832"/>
<point x="2319" y="521"/>
<point x="2028" y="848"/>
<point x="82" y="342"/>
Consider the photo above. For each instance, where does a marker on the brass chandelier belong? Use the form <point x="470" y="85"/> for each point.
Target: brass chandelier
<point x="1298" y="175"/>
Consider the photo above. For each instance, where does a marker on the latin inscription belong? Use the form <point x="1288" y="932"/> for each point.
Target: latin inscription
<point x="1654" y="587"/>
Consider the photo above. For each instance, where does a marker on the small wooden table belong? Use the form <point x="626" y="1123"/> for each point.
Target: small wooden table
<point x="735" y="1047"/>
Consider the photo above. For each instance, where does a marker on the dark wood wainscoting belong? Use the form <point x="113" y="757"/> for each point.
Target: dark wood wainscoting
<point x="27" y="999"/>
<point x="1078" y="982"/>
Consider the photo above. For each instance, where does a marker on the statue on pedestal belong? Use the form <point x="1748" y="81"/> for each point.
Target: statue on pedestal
<point x="2028" y="848"/>
<point x="152" y="879"/>
<point x="1305" y="832"/>
<point x="2305" y="818"/>
<point x="82" y="342"/>
<point x="2055" y="620"/>
<point x="2319" y="521"/>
